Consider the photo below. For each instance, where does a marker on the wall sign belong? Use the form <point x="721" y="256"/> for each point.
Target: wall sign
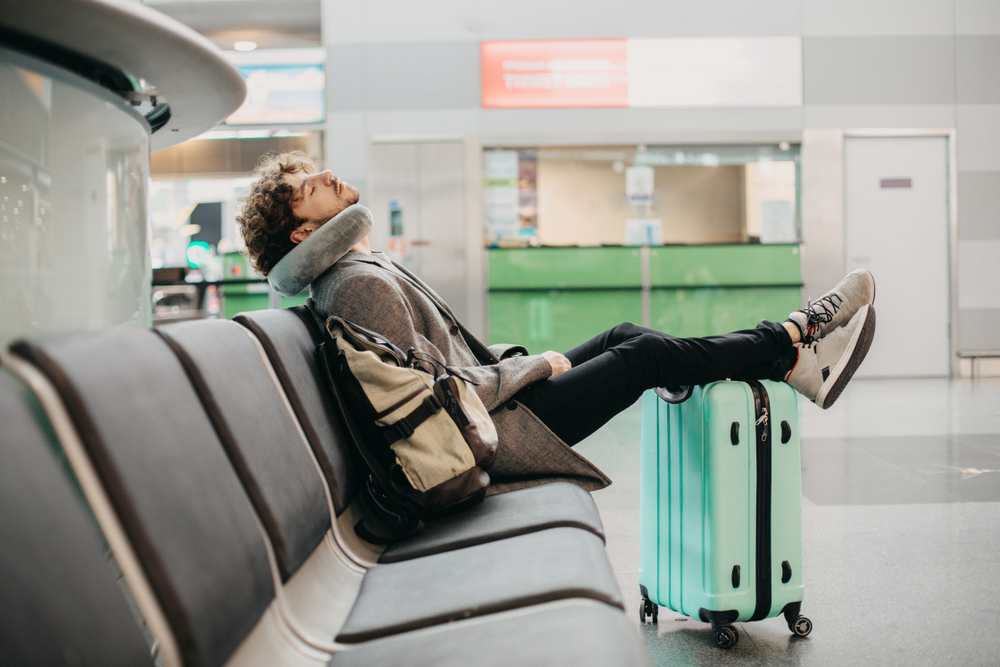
<point x="674" y="72"/>
<point x="283" y="86"/>
<point x="896" y="183"/>
<point x="567" y="73"/>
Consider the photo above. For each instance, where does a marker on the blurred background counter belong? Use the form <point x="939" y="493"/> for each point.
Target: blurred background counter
<point x="556" y="298"/>
<point x="182" y="293"/>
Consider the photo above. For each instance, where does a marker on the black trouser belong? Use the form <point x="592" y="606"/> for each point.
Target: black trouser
<point x="612" y="370"/>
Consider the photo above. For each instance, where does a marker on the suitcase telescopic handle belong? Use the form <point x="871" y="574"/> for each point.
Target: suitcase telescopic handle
<point x="674" y="394"/>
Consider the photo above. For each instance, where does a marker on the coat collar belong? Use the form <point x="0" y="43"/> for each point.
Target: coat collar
<point x="379" y="259"/>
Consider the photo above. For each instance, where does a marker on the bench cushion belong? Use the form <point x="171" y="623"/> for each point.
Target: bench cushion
<point x="59" y="601"/>
<point x="529" y="569"/>
<point x="165" y="471"/>
<point x="290" y="341"/>
<point x="581" y="635"/>
<point x="273" y="461"/>
<point x="500" y="516"/>
<point x="290" y="337"/>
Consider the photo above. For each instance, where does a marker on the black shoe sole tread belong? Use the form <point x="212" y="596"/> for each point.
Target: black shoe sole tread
<point x="857" y="356"/>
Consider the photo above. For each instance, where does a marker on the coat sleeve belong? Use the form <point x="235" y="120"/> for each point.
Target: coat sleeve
<point x="375" y="303"/>
<point x="504" y="350"/>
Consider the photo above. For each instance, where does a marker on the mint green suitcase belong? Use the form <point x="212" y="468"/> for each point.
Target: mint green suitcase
<point x="720" y="514"/>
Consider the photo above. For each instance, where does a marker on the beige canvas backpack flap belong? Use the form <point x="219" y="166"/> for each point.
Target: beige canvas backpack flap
<point x="422" y="424"/>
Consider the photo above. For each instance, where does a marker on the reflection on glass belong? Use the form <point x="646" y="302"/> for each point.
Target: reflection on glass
<point x="691" y="194"/>
<point x="74" y="173"/>
<point x="189" y="214"/>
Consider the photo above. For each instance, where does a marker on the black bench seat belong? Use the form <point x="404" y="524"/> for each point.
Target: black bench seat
<point x="60" y="603"/>
<point x="260" y="434"/>
<point x="197" y="481"/>
<point x="289" y="338"/>
<point x="566" y="634"/>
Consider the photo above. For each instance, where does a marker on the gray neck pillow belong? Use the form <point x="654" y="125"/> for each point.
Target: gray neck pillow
<point x="317" y="253"/>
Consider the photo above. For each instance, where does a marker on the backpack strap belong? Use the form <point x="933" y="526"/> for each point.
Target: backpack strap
<point x="405" y="427"/>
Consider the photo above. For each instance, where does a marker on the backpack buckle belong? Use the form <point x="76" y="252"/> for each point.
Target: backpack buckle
<point x="403" y="428"/>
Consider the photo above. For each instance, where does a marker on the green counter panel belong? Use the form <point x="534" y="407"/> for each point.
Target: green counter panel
<point x="559" y="320"/>
<point x="725" y="265"/>
<point x="707" y="311"/>
<point x="555" y="268"/>
<point x="245" y="298"/>
<point x="732" y="287"/>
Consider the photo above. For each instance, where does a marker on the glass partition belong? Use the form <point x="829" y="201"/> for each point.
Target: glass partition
<point x="642" y="195"/>
<point x="74" y="174"/>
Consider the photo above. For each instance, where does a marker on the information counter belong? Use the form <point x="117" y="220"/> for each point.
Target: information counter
<point x="555" y="298"/>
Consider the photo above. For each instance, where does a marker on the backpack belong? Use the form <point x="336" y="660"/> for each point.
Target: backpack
<point x="422" y="431"/>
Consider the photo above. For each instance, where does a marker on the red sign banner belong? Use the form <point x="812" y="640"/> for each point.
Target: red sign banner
<point x="565" y="73"/>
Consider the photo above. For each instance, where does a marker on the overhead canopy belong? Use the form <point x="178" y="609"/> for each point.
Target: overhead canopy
<point x="187" y="70"/>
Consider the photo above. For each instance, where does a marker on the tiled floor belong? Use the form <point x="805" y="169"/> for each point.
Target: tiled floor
<point x="901" y="527"/>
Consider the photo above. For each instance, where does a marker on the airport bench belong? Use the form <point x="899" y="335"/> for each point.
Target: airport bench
<point x="975" y="355"/>
<point x="59" y="600"/>
<point x="289" y="338"/>
<point x="218" y="464"/>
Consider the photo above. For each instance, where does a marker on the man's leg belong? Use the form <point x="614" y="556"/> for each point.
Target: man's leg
<point x="611" y="371"/>
<point x="605" y="341"/>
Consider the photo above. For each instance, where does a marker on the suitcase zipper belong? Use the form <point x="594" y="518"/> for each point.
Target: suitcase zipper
<point x="763" y="432"/>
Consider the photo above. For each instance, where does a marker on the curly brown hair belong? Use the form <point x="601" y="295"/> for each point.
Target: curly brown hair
<point x="263" y="213"/>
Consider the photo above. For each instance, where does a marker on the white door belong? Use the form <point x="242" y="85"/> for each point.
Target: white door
<point x="421" y="184"/>
<point x="897" y="226"/>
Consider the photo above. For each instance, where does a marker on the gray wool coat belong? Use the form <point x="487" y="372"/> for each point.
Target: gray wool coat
<point x="375" y="293"/>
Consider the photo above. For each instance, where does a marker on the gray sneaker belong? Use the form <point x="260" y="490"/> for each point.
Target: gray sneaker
<point x="826" y="365"/>
<point x="835" y="308"/>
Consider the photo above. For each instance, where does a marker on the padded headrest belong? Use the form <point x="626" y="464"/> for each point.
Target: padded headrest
<point x="170" y="480"/>
<point x="258" y="432"/>
<point x="317" y="253"/>
<point x="290" y="336"/>
<point x="60" y="598"/>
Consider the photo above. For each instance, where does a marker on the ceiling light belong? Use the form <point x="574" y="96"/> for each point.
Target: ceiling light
<point x="244" y="46"/>
<point x="217" y="134"/>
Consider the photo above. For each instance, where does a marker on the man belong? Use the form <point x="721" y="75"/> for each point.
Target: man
<point x="543" y="404"/>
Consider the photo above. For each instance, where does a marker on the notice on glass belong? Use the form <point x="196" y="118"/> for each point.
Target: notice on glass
<point x="777" y="224"/>
<point x="643" y="231"/>
<point x="500" y="191"/>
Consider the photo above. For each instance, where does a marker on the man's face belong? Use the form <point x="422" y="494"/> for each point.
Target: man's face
<point x="319" y="197"/>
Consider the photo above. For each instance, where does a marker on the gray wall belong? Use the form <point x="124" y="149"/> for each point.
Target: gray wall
<point x="405" y="69"/>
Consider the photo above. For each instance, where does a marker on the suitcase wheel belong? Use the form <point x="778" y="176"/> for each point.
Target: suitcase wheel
<point x="647" y="608"/>
<point x="801" y="626"/>
<point x="726" y="636"/>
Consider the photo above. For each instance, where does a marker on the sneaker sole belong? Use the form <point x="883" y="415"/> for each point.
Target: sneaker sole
<point x="860" y="343"/>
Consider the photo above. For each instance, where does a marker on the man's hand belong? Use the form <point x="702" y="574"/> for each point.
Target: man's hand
<point x="558" y="362"/>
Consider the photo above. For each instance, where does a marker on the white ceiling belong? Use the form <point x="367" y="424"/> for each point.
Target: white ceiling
<point x="286" y="24"/>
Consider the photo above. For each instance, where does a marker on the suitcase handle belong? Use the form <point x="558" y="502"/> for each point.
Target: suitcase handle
<point x="674" y="394"/>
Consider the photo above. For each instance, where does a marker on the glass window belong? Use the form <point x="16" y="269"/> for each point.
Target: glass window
<point x="74" y="173"/>
<point x="642" y="195"/>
